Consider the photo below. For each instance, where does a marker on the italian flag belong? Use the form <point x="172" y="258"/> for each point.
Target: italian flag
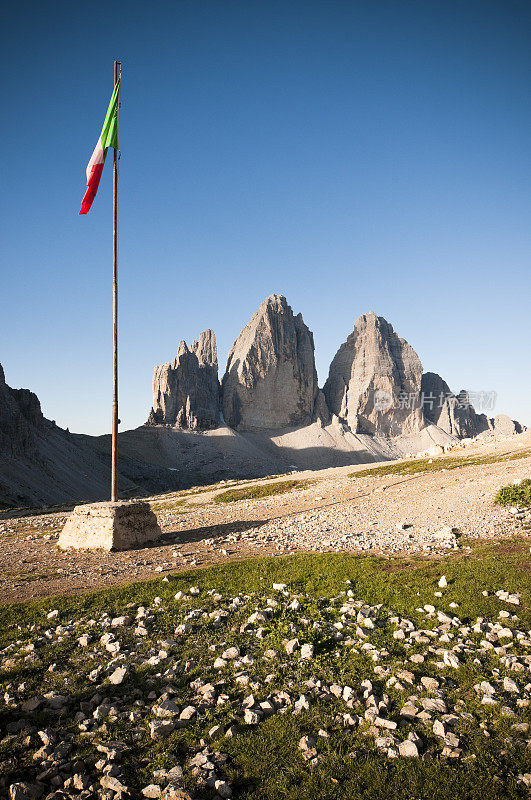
<point x="108" y="138"/>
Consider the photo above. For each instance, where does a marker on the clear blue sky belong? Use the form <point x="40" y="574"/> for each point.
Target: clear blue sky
<point x="371" y="154"/>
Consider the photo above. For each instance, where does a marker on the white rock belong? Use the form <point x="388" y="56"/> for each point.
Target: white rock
<point x="408" y="749"/>
<point x="187" y="713"/>
<point x="431" y="684"/>
<point x="121" y="622"/>
<point x="450" y="659"/>
<point x="152" y="791"/>
<point x="302" y="704"/>
<point x="510" y="686"/>
<point x="118" y="675"/>
<point x="381" y="722"/>
<point x="306" y="743"/>
<point x="230" y="653"/>
<point x="442" y="582"/>
<point x="307" y="651"/>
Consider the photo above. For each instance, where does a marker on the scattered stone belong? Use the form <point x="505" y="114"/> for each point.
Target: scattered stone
<point x="451" y="660"/>
<point x="160" y="729"/>
<point x="307" y="651"/>
<point x="307" y="743"/>
<point x="408" y="749"/>
<point x="231" y="653"/>
<point x="152" y="791"/>
<point x="118" y="676"/>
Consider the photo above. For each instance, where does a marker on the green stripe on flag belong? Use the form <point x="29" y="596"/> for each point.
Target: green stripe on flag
<point x="109" y="132"/>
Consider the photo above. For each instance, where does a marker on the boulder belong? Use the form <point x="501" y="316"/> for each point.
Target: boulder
<point x="186" y="390"/>
<point x="374" y="381"/>
<point x="271" y="381"/>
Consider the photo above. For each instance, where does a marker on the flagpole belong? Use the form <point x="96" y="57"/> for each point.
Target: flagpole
<point x="115" y="420"/>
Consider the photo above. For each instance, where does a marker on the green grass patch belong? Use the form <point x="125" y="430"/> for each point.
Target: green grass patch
<point x="401" y="583"/>
<point x="419" y="465"/>
<point x="258" y="492"/>
<point x="265" y="762"/>
<point x="514" y="495"/>
<point x="167" y="505"/>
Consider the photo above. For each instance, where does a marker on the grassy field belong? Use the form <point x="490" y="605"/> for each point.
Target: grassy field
<point x="418" y="465"/>
<point x="259" y="492"/>
<point x="264" y="761"/>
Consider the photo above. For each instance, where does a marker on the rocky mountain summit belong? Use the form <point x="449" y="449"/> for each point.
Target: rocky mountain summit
<point x="373" y="379"/>
<point x="186" y="390"/>
<point x="375" y="385"/>
<point x="271" y="380"/>
<point x="267" y="416"/>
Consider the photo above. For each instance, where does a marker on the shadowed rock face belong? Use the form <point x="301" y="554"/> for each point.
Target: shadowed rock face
<point x="186" y="390"/>
<point x="374" y="381"/>
<point x="454" y="414"/>
<point x="271" y="380"/>
<point x="20" y="419"/>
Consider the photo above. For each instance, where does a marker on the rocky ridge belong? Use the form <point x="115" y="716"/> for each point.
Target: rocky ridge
<point x="41" y="463"/>
<point x="453" y="413"/>
<point x="186" y="390"/>
<point x="20" y="419"/>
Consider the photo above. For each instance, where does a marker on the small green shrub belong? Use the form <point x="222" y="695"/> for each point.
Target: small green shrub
<point x="514" y="495"/>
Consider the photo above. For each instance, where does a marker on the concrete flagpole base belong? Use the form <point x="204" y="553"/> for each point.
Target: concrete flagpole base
<point x="110" y="526"/>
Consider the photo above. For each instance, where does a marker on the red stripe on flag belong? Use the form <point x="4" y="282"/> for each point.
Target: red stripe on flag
<point x="92" y="188"/>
